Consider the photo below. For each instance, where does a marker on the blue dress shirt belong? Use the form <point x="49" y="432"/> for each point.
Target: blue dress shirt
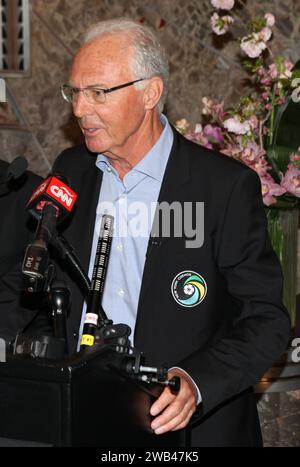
<point x="132" y="202"/>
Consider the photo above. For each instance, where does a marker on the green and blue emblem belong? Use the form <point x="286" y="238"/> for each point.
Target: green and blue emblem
<point x="189" y="288"/>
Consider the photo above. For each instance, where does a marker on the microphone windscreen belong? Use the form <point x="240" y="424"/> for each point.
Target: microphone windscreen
<point x="55" y="191"/>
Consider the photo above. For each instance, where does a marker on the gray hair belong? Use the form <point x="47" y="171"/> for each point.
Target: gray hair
<point x="150" y="58"/>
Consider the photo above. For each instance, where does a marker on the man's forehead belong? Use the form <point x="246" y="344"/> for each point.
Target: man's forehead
<point x="102" y="57"/>
<point x="110" y="45"/>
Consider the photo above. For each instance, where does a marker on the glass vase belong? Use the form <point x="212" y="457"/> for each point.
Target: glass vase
<point x="283" y="230"/>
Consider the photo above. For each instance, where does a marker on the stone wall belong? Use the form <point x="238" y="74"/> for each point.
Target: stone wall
<point x="200" y="65"/>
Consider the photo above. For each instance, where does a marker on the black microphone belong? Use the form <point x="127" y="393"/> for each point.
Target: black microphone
<point x="50" y="203"/>
<point x="36" y="258"/>
<point x="95" y="315"/>
<point x="14" y="171"/>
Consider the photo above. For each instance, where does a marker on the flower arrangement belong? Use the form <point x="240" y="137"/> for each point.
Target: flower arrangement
<point x="261" y="129"/>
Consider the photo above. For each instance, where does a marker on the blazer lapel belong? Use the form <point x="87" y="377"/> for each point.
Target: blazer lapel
<point x="172" y="189"/>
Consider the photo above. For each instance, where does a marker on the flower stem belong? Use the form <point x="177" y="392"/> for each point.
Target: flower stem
<point x="271" y="129"/>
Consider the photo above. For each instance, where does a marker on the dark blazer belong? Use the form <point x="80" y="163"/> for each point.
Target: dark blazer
<point x="233" y="336"/>
<point x="16" y="230"/>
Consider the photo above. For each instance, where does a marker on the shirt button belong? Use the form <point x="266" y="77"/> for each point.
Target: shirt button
<point x="120" y="247"/>
<point x="108" y="169"/>
<point x="121" y="292"/>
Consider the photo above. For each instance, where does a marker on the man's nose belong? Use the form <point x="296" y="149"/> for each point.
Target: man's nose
<point x="81" y="107"/>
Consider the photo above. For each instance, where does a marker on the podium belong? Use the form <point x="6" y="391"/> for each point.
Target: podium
<point x="83" y="400"/>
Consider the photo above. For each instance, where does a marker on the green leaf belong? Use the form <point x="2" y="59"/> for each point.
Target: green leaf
<point x="286" y="83"/>
<point x="257" y="24"/>
<point x="252" y="65"/>
<point x="295" y="74"/>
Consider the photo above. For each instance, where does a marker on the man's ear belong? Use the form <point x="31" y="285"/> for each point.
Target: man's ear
<point x="152" y="92"/>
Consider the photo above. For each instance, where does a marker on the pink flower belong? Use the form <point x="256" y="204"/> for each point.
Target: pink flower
<point x="294" y="157"/>
<point x="261" y="167"/>
<point x="218" y="111"/>
<point x="213" y="108"/>
<point x="264" y="35"/>
<point x="291" y="181"/>
<point x="265" y="96"/>
<point x="264" y="75"/>
<point x="273" y="72"/>
<point x="214" y="132"/>
<point x="252" y="153"/>
<point x="253" y="46"/>
<point x="254" y="122"/>
<point x="232" y="151"/>
<point x="270" y="189"/>
<point x="288" y="66"/>
<point x="220" y="24"/>
<point x="270" y="19"/>
<point x="223" y="4"/>
<point x="235" y="125"/>
<point x="198" y="136"/>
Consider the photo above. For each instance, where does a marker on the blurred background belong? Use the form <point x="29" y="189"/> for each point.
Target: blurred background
<point x="37" y="123"/>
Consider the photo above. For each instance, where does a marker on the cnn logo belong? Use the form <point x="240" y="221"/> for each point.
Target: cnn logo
<point x="2" y="90"/>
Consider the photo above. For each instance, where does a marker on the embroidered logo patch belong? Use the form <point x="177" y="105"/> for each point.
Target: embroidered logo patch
<point x="188" y="288"/>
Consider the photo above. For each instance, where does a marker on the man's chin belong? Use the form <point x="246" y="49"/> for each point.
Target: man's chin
<point x="94" y="147"/>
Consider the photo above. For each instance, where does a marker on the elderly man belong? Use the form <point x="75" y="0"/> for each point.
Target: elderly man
<point x="209" y="308"/>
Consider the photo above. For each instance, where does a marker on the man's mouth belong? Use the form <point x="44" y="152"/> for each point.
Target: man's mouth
<point x="90" y="131"/>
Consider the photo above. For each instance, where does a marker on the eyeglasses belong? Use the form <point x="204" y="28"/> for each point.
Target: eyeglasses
<point x="93" y="94"/>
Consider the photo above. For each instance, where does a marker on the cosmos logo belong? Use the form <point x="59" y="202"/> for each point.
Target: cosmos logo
<point x="189" y="288"/>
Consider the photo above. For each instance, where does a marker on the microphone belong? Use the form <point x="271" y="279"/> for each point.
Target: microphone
<point x="95" y="315"/>
<point x="55" y="190"/>
<point x="13" y="172"/>
<point x="50" y="203"/>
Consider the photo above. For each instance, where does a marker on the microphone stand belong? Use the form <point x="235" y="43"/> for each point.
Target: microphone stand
<point x="66" y="251"/>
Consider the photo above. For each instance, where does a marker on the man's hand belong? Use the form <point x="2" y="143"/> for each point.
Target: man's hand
<point x="174" y="410"/>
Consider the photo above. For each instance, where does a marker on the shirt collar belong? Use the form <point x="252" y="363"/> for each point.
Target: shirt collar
<point x="154" y="162"/>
